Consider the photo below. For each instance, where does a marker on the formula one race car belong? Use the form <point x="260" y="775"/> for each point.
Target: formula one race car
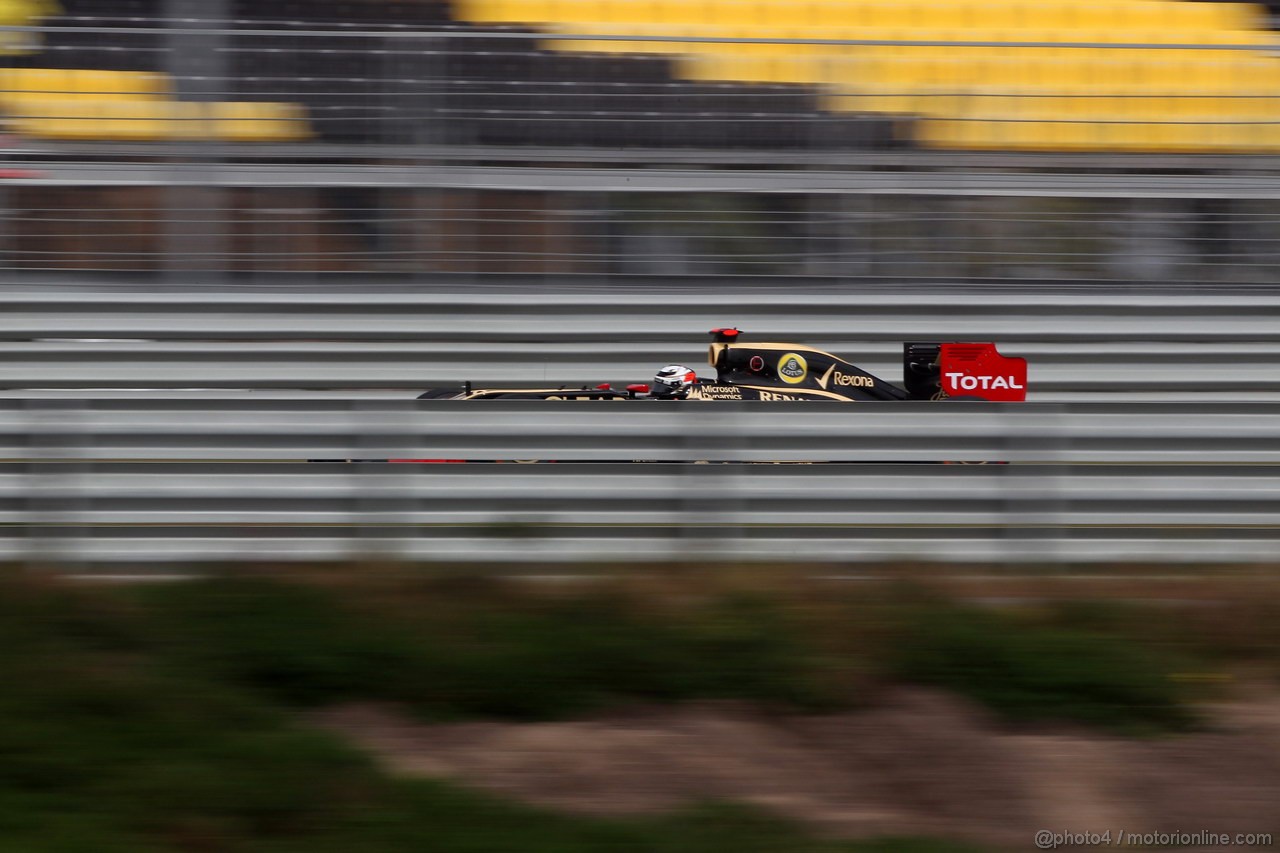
<point x="794" y="372"/>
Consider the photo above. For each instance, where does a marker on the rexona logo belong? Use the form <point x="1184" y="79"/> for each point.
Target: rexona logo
<point x="853" y="381"/>
<point x="977" y="370"/>
<point x="792" y="368"/>
<point x="839" y="379"/>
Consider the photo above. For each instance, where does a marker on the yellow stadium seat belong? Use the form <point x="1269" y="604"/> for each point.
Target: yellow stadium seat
<point x="479" y="11"/>
<point x="631" y="12"/>
<point x="1262" y="74"/>
<point x="888" y="14"/>
<point x="765" y="60"/>
<point x="787" y="16"/>
<point x="36" y="114"/>
<point x="836" y="66"/>
<point x="1238" y="16"/>
<point x="80" y="118"/>
<point x="730" y="14"/>
<point x="1035" y="16"/>
<point x="567" y="11"/>
<point x="944" y="16"/>
<point x="248" y="121"/>
<point x="113" y="85"/>
<point x="614" y="45"/>
<point x="678" y="13"/>
<point x="151" y="119"/>
<point x="1257" y="115"/>
<point x="1266" y="135"/>
<point x="1209" y="70"/>
<point x="137" y="120"/>
<point x="944" y="133"/>
<point x="62" y="127"/>
<point x="1130" y="17"/>
<point x="189" y="121"/>
<point x="539" y="11"/>
<point x="519" y="11"/>
<point x="46" y="81"/>
<point x="788" y="63"/>
<point x="984" y="17"/>
<point x="48" y="119"/>
<point x="1222" y="120"/>
<point x="1009" y="131"/>
<point x="829" y="15"/>
<point x="594" y="16"/>
<point x="79" y="84"/>
<point x="1047" y="98"/>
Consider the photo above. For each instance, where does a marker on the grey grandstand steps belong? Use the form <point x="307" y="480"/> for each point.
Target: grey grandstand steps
<point x="373" y="13"/>
<point x="465" y="90"/>
<point x="1105" y="94"/>
<point x="117" y="51"/>
<point x="84" y="84"/>
<point x="507" y="91"/>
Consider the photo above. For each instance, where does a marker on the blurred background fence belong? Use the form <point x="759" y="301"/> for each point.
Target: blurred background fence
<point x="141" y="481"/>
<point x="356" y="199"/>
<point x="1082" y="343"/>
<point x="1129" y="140"/>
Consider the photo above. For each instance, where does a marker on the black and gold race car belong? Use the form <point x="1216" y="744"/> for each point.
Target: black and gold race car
<point x="783" y="372"/>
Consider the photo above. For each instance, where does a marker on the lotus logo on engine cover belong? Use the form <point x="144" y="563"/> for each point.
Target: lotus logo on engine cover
<point x="792" y="368"/>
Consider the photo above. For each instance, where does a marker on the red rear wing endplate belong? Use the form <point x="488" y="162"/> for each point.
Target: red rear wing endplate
<point x="977" y="370"/>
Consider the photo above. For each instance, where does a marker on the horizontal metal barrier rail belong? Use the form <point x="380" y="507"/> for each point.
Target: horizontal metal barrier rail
<point x="294" y="431"/>
<point x="1083" y="182"/>
<point x="245" y="28"/>
<point x="254" y="222"/>
<point x="152" y="482"/>
<point x="1080" y="344"/>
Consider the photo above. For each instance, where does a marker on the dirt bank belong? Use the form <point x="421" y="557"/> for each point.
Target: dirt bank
<point x="920" y="762"/>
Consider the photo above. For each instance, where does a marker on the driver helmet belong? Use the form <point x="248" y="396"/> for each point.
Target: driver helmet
<point x="673" y="381"/>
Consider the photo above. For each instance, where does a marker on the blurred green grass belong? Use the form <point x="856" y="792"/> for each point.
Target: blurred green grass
<point x="482" y="650"/>
<point x="163" y="717"/>
<point x="120" y="731"/>
<point x="1030" y="671"/>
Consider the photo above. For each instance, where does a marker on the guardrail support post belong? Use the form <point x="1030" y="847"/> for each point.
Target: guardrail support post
<point x="55" y="477"/>
<point x="1035" y="504"/>
<point x="709" y="502"/>
<point x="381" y="506"/>
<point x="196" y="205"/>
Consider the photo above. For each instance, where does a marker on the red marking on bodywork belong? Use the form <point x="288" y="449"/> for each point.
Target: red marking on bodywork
<point x="430" y="461"/>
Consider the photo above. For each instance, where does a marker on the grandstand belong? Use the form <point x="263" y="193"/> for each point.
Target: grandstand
<point x="996" y="93"/>
<point x="801" y="137"/>
<point x="97" y="104"/>
<point x="1143" y="75"/>
<point x="1192" y="76"/>
<point x="332" y="86"/>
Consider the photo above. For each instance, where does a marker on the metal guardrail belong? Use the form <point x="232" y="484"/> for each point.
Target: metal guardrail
<point x="146" y="482"/>
<point x="1082" y="344"/>
<point x="1080" y="184"/>
<point x="270" y="221"/>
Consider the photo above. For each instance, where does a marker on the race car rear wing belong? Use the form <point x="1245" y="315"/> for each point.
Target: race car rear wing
<point x="936" y="371"/>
